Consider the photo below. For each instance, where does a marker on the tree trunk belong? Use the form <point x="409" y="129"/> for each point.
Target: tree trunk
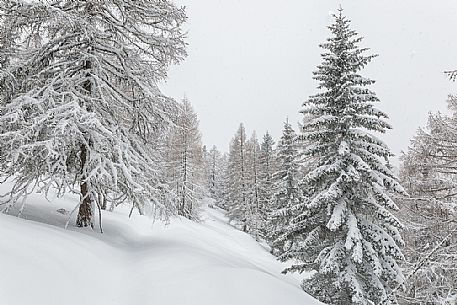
<point x="102" y="200"/>
<point x="84" y="218"/>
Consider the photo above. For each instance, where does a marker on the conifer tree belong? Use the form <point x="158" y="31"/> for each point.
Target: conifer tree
<point x="206" y="161"/>
<point x="215" y="169"/>
<point x="80" y="97"/>
<point x="243" y="183"/>
<point x="185" y="159"/>
<point x="286" y="186"/>
<point x="344" y="228"/>
<point x="223" y="199"/>
<point x="237" y="188"/>
<point x="267" y="168"/>
<point x="254" y="219"/>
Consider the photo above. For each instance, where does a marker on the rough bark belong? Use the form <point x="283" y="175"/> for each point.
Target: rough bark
<point x="84" y="218"/>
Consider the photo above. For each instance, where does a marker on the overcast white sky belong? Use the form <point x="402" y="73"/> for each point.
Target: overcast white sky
<point x="251" y="61"/>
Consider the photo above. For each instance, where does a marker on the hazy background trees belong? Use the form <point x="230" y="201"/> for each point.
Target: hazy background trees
<point x="428" y="173"/>
<point x="184" y="158"/>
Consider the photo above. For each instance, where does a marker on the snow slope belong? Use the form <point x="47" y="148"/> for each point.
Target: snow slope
<point x="136" y="262"/>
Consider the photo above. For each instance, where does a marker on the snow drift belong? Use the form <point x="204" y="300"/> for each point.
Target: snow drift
<point x="136" y="262"/>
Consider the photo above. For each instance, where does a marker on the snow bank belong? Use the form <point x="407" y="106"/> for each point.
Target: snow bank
<point x="136" y="262"/>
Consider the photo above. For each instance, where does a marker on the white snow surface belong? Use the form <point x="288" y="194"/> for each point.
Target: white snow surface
<point x="136" y="262"/>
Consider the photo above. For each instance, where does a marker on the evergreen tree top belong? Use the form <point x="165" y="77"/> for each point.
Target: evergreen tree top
<point x="337" y="74"/>
<point x="343" y="92"/>
<point x="267" y="142"/>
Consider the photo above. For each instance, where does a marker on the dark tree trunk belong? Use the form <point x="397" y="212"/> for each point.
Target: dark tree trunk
<point x="84" y="218"/>
<point x="105" y="202"/>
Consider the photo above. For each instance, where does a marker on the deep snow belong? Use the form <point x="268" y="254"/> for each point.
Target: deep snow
<point x="136" y="262"/>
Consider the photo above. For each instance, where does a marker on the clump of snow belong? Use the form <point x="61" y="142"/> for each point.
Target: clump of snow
<point x="136" y="262"/>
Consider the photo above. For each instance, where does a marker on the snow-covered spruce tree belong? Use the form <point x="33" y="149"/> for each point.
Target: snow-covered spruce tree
<point x="344" y="229"/>
<point x="254" y="219"/>
<point x="286" y="185"/>
<point x="428" y="174"/>
<point x="185" y="160"/>
<point x="267" y="168"/>
<point x="237" y="188"/>
<point x="80" y="97"/>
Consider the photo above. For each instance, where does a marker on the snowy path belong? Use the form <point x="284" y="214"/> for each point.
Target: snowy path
<point x="184" y="263"/>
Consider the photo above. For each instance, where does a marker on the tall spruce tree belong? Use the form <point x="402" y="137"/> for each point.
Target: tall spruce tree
<point x="267" y="168"/>
<point x="79" y="97"/>
<point x="254" y="220"/>
<point x="344" y="229"/>
<point x="286" y="185"/>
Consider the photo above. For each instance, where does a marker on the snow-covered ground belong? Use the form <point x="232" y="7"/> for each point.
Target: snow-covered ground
<point x="136" y="262"/>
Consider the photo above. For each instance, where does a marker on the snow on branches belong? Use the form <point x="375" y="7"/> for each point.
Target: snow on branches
<point x="79" y="97"/>
<point x="343" y="228"/>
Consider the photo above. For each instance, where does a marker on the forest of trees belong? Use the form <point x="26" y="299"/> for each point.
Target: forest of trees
<point x="81" y="111"/>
